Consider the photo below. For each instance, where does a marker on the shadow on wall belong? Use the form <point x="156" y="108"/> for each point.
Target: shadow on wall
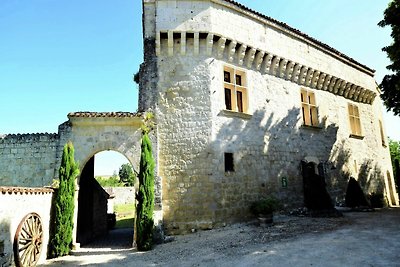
<point x="6" y="244"/>
<point x="369" y="177"/>
<point x="268" y="150"/>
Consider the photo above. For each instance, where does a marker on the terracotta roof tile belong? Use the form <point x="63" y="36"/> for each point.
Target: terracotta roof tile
<point x="25" y="190"/>
<point x="87" y="114"/>
<point x="313" y="40"/>
<point x="28" y="136"/>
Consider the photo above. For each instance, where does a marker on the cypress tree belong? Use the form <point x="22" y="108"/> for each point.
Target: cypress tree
<point x="145" y="197"/>
<point x="61" y="240"/>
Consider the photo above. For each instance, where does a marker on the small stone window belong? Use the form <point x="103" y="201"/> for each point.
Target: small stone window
<point x="309" y="108"/>
<point x="354" y="118"/>
<point x="229" y="165"/>
<point x="235" y="90"/>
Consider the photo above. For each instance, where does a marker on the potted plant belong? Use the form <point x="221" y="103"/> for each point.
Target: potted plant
<point x="263" y="209"/>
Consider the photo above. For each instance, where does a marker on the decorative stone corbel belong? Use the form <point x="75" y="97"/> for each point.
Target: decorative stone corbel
<point x="314" y="79"/>
<point x="346" y="90"/>
<point x="221" y="47"/>
<point x="326" y="82"/>
<point x="183" y="43"/>
<point x="310" y="72"/>
<point x="259" y="59"/>
<point x="266" y="63"/>
<point x="302" y="75"/>
<point x="231" y="50"/>
<point x="272" y="68"/>
<point x="170" y="43"/>
<point x="289" y="70"/>
<point x="296" y="73"/>
<point x="337" y="86"/>
<point x="196" y="44"/>
<point x="241" y="54"/>
<point x="250" y="57"/>
<point x="332" y="84"/>
<point x="320" y="82"/>
<point x="282" y="68"/>
<point x="210" y="43"/>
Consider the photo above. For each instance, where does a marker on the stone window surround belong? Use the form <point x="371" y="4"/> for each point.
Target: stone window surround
<point x="233" y="87"/>
<point x="354" y="121"/>
<point x="309" y="107"/>
<point x="264" y="62"/>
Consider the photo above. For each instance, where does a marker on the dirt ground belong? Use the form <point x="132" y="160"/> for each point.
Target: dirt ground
<point x="356" y="239"/>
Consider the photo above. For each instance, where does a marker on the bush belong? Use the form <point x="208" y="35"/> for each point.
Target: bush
<point x="377" y="200"/>
<point x="264" y="206"/>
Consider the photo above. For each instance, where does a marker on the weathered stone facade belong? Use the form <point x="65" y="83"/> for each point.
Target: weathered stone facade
<point x="188" y="45"/>
<point x="240" y="99"/>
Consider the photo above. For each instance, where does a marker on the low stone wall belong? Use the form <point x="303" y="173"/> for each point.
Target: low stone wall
<point x="28" y="159"/>
<point x="122" y="195"/>
<point x="16" y="203"/>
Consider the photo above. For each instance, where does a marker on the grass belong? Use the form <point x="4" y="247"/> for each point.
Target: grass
<point x="125" y="215"/>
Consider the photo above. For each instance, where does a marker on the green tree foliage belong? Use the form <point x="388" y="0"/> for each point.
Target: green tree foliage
<point x="390" y="84"/>
<point x="127" y="175"/>
<point x="394" y="147"/>
<point x="145" y="197"/>
<point x="112" y="181"/>
<point x="61" y="240"/>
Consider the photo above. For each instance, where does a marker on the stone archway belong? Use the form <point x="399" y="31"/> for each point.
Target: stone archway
<point x="93" y="132"/>
<point x="93" y="204"/>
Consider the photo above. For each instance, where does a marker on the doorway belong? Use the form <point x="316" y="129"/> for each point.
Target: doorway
<point x="99" y="187"/>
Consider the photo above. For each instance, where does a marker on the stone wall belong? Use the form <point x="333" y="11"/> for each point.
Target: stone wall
<point x="194" y="41"/>
<point x="15" y="204"/>
<point x="122" y="195"/>
<point x="28" y="159"/>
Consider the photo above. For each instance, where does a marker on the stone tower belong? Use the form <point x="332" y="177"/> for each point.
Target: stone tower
<point x="241" y="100"/>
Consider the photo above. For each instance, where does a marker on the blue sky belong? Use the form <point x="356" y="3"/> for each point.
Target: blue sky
<point x="58" y="56"/>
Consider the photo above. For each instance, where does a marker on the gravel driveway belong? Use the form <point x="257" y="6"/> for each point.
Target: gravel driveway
<point x="357" y="239"/>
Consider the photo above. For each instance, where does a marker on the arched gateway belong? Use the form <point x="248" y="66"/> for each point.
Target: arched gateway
<point x="93" y="132"/>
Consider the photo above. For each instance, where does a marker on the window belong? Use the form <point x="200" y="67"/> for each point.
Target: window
<point x="235" y="90"/>
<point x="354" y="117"/>
<point x="228" y="159"/>
<point x="309" y="108"/>
<point x="382" y="134"/>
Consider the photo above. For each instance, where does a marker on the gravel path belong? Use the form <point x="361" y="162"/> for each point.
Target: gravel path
<point x="357" y="239"/>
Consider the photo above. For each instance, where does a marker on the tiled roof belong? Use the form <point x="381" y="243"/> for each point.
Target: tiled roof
<point x="87" y="114"/>
<point x="311" y="39"/>
<point x="28" y="136"/>
<point x="25" y="190"/>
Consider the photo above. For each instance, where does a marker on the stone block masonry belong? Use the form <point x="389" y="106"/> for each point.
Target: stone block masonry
<point x="189" y="47"/>
<point x="28" y="159"/>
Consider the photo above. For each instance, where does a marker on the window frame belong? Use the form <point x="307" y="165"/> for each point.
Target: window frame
<point x="309" y="108"/>
<point x="238" y="101"/>
<point x="354" y="120"/>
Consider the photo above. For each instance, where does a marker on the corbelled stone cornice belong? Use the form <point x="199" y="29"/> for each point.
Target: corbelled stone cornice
<point x="265" y="62"/>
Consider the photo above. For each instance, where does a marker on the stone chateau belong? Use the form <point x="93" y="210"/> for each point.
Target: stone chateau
<point x="240" y="101"/>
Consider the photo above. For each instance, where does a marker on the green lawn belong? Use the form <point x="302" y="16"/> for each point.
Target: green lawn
<point x="125" y="215"/>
